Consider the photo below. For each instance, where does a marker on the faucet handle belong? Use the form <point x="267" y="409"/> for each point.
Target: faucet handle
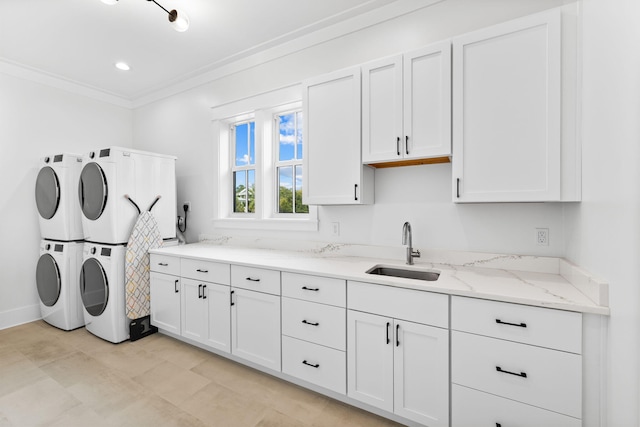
<point x="416" y="253"/>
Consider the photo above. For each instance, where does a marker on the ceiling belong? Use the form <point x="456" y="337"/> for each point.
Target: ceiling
<point x="79" y="41"/>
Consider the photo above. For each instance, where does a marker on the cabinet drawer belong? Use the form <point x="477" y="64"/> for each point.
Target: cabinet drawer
<point x="256" y="279"/>
<point x="549" y="379"/>
<point x="314" y="363"/>
<point x="208" y="271"/>
<point x="324" y="290"/>
<point x="407" y="304"/>
<point x="165" y="264"/>
<point x="558" y="329"/>
<point x="473" y="408"/>
<point x="321" y="324"/>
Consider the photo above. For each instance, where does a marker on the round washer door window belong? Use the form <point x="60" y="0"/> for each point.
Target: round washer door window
<point x="47" y="192"/>
<point x="48" y="280"/>
<point x="92" y="191"/>
<point x="94" y="287"/>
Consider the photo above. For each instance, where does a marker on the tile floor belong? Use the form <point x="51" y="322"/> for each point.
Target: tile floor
<point x="50" y="377"/>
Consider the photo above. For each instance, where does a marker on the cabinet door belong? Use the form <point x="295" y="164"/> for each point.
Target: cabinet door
<point x="382" y="136"/>
<point x="255" y="327"/>
<point x="165" y="302"/>
<point x="194" y="310"/>
<point x="506" y="112"/>
<point x="427" y="102"/>
<point x="421" y="373"/>
<point x="370" y="359"/>
<point x="332" y="141"/>
<point x="218" y="309"/>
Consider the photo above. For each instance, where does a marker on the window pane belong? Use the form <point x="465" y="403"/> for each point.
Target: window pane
<point x="299" y="134"/>
<point x="241" y="134"/>
<point x="240" y="191"/>
<point x="285" y="189"/>
<point x="252" y="143"/>
<point x="251" y="191"/>
<point x="287" y="139"/>
<point x="299" y="206"/>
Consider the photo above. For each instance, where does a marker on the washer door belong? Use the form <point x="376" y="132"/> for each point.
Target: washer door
<point x="94" y="287"/>
<point x="92" y="191"/>
<point x="47" y="192"/>
<point x="48" y="280"/>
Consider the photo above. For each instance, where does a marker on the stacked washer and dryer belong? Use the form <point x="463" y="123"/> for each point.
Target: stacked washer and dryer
<point x="107" y="217"/>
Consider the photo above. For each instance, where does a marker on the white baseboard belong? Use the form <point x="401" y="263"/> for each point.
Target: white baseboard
<point x="18" y="316"/>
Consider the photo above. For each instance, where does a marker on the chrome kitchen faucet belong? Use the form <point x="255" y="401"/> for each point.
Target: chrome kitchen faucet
<point x="407" y="240"/>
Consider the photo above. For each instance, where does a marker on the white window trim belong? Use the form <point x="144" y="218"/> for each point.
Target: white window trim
<point x="262" y="109"/>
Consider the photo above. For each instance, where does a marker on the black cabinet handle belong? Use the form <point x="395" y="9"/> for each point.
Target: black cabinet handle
<point x="204" y="295"/>
<point x="311" y="289"/>
<point x="521" y="374"/>
<point x="164" y="264"/>
<point x="398" y="335"/>
<point x="398" y="146"/>
<point x="458" y="188"/>
<point x="251" y="279"/>
<point x="317" y="365"/>
<point x="388" y="324"/>
<point x="199" y="291"/>
<point x="406" y="144"/>
<point x="202" y="271"/>
<point x="175" y="286"/>
<point x="520" y="325"/>
<point x="498" y="425"/>
<point x="311" y="323"/>
<point x="231" y="298"/>
<point x="355" y="191"/>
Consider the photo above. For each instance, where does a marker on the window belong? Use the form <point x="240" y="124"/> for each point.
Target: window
<point x="243" y="138"/>
<point x="288" y="163"/>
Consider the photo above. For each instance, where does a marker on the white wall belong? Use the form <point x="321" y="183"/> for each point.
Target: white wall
<point x="38" y="120"/>
<point x="180" y="125"/>
<point x="602" y="233"/>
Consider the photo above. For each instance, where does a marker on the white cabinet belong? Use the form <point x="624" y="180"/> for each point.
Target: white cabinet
<point x="255" y="327"/>
<point x="206" y="316"/>
<point x="393" y="362"/>
<point x="406" y="107"/>
<point x="332" y="167"/>
<point x="165" y="301"/>
<point x="508" y="115"/>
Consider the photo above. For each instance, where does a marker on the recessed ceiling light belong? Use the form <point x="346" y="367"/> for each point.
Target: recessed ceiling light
<point x="122" y="66"/>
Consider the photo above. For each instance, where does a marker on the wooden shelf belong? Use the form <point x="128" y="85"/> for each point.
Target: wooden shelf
<point x="412" y="162"/>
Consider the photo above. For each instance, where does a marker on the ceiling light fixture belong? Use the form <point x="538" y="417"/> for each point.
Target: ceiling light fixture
<point x="122" y="66"/>
<point x="178" y="19"/>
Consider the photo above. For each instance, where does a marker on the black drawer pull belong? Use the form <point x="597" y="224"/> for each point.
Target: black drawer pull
<point x="163" y="264"/>
<point x="398" y="335"/>
<point x="388" y="340"/>
<point x="520" y="325"/>
<point x="200" y="291"/>
<point x="204" y="288"/>
<point x="317" y="365"/>
<point x="311" y="289"/>
<point x="311" y="323"/>
<point x="175" y="285"/>
<point x="202" y="271"/>
<point x="498" y="425"/>
<point x="521" y="374"/>
<point x="251" y="279"/>
<point x="231" y="298"/>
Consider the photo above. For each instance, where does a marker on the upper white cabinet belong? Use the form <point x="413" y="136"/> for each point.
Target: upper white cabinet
<point x="406" y="106"/>
<point x="332" y="168"/>
<point x="509" y="138"/>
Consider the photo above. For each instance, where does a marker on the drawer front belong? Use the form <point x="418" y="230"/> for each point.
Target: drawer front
<point x="318" y="323"/>
<point x="314" y="363"/>
<point x="165" y="264"/>
<point x="208" y="271"/>
<point x="324" y="290"/>
<point x="407" y="304"/>
<point x="549" y="379"/>
<point x="561" y="330"/>
<point x="256" y="279"/>
<point x="472" y="408"/>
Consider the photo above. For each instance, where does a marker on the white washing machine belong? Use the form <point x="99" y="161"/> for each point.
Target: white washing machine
<point x="57" y="275"/>
<point x="58" y="207"/>
<point x="110" y="174"/>
<point x="102" y="290"/>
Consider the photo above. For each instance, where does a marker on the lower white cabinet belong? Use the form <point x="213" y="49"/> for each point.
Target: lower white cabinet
<point x="206" y="313"/>
<point x="399" y="366"/>
<point x="255" y="327"/>
<point x="165" y="302"/>
<point x="314" y="363"/>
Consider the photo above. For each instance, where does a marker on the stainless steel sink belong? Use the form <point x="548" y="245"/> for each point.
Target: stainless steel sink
<point x="405" y="273"/>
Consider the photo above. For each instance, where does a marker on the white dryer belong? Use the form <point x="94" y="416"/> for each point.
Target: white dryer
<point x="110" y="174"/>
<point x="57" y="275"/>
<point x="58" y="207"/>
<point x="102" y="290"/>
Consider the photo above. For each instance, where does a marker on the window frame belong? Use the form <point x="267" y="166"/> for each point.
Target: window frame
<point x="233" y="124"/>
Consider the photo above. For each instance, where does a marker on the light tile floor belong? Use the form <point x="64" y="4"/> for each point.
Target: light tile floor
<point x="50" y="377"/>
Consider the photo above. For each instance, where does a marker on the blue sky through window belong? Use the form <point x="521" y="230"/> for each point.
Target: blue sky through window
<point x="245" y="144"/>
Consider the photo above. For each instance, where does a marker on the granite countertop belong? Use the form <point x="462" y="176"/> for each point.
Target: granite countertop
<point x="537" y="281"/>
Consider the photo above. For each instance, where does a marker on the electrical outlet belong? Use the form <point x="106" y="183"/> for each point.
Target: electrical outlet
<point x="542" y="236"/>
<point x="188" y="205"/>
<point x="335" y="228"/>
